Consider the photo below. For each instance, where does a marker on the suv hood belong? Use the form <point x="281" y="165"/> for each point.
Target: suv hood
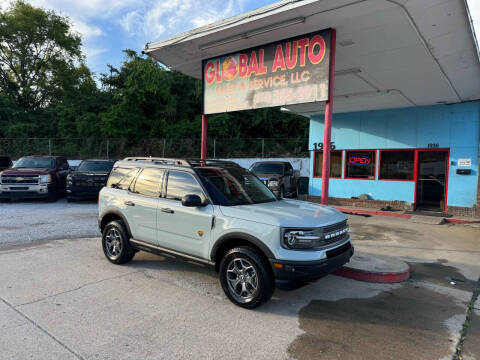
<point x="286" y="213"/>
<point x="90" y="173"/>
<point x="26" y="171"/>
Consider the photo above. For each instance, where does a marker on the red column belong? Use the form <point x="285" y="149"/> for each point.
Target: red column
<point x="203" y="152"/>
<point x="327" y="131"/>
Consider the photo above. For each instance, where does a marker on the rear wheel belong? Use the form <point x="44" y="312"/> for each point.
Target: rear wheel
<point x="246" y="277"/>
<point x="116" y="244"/>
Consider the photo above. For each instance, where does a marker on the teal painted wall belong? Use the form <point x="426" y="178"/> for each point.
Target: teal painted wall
<point x="451" y="126"/>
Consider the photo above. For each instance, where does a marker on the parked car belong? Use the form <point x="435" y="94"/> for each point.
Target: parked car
<point x="5" y="162"/>
<point x="35" y="177"/>
<point x="279" y="176"/>
<point x="220" y="215"/>
<point x="88" y="178"/>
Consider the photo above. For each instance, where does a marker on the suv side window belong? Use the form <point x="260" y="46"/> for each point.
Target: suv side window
<point x="181" y="184"/>
<point x="148" y="182"/>
<point x="121" y="178"/>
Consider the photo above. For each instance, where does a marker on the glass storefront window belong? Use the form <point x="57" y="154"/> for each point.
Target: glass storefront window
<point x="397" y="165"/>
<point x="360" y="164"/>
<point x="335" y="164"/>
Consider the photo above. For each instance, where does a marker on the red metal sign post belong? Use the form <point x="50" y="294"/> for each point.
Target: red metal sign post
<point x="203" y="152"/>
<point x="327" y="131"/>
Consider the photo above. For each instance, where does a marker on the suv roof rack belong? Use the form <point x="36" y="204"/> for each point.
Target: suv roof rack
<point x="158" y="160"/>
<point x="182" y="162"/>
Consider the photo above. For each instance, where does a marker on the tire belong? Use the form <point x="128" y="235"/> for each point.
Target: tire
<point x="116" y="244"/>
<point x="52" y="196"/>
<point x="246" y="277"/>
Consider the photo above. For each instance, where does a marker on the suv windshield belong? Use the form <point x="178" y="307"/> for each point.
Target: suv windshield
<point x="234" y="186"/>
<point x="104" y="166"/>
<point x="35" y="162"/>
<point x="267" y="169"/>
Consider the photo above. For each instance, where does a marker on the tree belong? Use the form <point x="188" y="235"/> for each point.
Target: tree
<point x="40" y="59"/>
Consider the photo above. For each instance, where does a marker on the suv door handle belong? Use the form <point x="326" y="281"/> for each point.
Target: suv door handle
<point x="129" y="203"/>
<point x="167" y="210"/>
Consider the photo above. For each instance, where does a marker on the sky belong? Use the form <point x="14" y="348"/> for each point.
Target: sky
<point x="109" y="26"/>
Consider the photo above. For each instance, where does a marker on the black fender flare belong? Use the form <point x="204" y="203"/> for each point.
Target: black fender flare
<point x="240" y="236"/>
<point x="120" y="215"/>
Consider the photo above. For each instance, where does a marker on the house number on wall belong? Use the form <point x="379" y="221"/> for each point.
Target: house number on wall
<point x="319" y="146"/>
<point x="433" y="146"/>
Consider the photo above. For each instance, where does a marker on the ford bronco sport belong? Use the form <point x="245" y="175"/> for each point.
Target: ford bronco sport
<point x="218" y="214"/>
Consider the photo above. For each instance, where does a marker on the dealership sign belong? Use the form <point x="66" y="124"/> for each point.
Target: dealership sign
<point x="287" y="72"/>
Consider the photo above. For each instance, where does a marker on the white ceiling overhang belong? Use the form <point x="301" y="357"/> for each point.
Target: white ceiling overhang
<point x="390" y="53"/>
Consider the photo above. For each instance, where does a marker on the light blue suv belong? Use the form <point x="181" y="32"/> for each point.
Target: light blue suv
<point x="221" y="215"/>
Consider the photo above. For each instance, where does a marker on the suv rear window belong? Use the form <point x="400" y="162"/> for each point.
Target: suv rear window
<point x="148" y="182"/>
<point x="121" y="178"/>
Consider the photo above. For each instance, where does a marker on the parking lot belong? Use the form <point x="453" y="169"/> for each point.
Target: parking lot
<point x="61" y="299"/>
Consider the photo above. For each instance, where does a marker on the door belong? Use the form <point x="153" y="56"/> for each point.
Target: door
<point x="432" y="180"/>
<point x="181" y="228"/>
<point x="142" y="202"/>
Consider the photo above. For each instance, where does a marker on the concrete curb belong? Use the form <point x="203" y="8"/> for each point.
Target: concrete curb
<point x="375" y="268"/>
<point x="372" y="277"/>
<point x="398" y="215"/>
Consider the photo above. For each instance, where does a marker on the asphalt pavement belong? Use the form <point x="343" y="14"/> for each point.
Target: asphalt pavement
<point x="61" y="299"/>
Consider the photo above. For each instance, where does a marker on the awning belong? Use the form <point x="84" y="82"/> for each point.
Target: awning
<point x="390" y="53"/>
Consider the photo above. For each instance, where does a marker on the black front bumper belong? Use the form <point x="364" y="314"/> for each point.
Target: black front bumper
<point x="310" y="270"/>
<point x="76" y="192"/>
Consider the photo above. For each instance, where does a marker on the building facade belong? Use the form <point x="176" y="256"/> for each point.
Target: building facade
<point x="408" y="158"/>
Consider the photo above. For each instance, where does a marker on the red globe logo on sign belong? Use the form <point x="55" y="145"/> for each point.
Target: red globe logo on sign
<point x="230" y="68"/>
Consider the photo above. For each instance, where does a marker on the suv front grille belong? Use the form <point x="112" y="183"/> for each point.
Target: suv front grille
<point x="91" y="182"/>
<point x="23" y="180"/>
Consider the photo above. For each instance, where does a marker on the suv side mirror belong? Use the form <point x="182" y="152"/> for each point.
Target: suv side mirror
<point x="192" y="200"/>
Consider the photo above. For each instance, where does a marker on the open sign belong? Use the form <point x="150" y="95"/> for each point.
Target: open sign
<point x="359" y="159"/>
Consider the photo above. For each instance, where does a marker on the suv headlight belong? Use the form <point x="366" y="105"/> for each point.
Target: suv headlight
<point x="45" y="179"/>
<point x="312" y="238"/>
<point x="273" y="183"/>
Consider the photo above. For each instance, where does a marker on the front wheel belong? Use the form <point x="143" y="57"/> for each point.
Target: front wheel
<point x="116" y="244"/>
<point x="246" y="277"/>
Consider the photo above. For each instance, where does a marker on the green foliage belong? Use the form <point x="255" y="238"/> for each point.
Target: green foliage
<point x="38" y="56"/>
<point x="47" y="91"/>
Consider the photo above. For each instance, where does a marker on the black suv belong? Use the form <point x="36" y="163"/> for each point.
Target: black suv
<point x="88" y="179"/>
<point x="279" y="176"/>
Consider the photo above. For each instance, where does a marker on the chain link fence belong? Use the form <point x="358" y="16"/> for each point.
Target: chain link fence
<point x="83" y="148"/>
